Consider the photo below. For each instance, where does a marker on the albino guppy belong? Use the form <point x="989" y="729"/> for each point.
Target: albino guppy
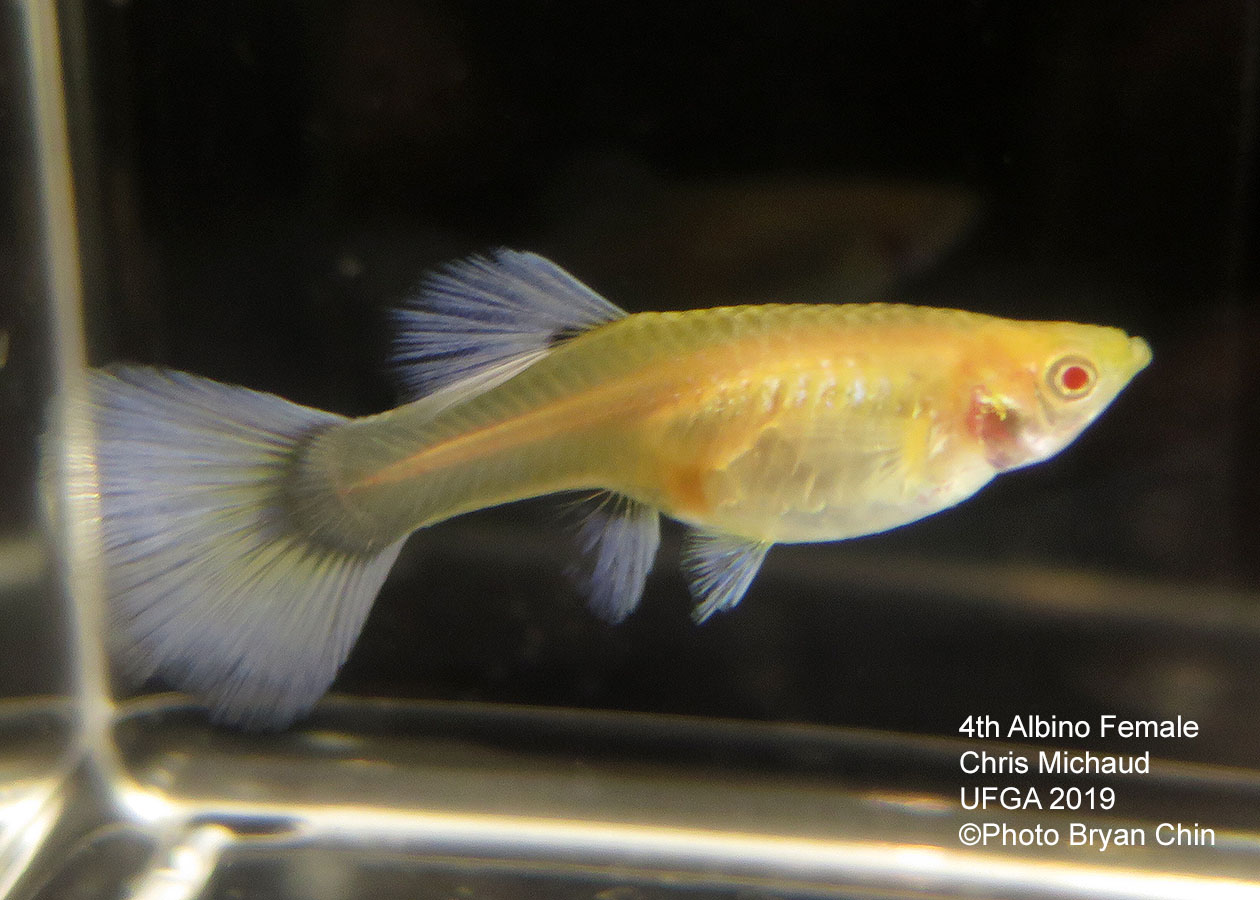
<point x="246" y="536"/>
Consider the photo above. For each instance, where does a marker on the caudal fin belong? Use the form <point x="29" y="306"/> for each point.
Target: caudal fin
<point x="212" y="585"/>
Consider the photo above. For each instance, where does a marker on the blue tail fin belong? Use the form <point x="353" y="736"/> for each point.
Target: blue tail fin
<point x="212" y="584"/>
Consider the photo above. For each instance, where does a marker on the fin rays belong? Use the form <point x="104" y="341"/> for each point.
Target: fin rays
<point x="719" y="569"/>
<point x="618" y="538"/>
<point x="479" y="321"/>
<point x="210" y="585"/>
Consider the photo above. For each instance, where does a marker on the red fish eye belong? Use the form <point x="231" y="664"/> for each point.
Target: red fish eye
<point x="1073" y="378"/>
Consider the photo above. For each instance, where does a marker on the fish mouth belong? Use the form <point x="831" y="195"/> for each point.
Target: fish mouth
<point x="1139" y="354"/>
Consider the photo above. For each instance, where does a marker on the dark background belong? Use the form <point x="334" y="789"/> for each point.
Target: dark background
<point x="260" y="180"/>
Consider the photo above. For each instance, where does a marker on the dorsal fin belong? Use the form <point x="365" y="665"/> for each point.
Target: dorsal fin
<point x="479" y="321"/>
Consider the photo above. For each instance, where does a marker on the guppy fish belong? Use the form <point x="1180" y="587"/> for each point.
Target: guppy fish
<point x="246" y="537"/>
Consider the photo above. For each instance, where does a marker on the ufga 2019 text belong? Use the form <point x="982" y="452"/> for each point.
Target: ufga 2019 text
<point x="1062" y="798"/>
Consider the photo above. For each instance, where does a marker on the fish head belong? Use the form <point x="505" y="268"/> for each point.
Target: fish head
<point x="1042" y="383"/>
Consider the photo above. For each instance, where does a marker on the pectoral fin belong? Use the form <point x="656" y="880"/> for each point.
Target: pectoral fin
<point x="719" y="569"/>
<point x="618" y="538"/>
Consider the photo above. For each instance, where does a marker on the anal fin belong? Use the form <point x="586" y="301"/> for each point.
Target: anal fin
<point x="719" y="569"/>
<point x="618" y="538"/>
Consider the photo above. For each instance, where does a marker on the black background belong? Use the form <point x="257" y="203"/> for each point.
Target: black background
<point x="260" y="180"/>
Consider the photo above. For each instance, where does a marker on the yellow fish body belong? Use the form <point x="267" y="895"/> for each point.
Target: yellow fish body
<point x="246" y="536"/>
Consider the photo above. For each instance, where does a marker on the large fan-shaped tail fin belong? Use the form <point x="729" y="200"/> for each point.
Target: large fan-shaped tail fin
<point x="214" y="585"/>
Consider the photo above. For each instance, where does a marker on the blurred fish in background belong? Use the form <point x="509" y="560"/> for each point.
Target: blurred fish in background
<point x="752" y="239"/>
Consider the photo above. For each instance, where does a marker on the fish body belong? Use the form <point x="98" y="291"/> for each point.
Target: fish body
<point x="753" y="425"/>
<point x="775" y="423"/>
